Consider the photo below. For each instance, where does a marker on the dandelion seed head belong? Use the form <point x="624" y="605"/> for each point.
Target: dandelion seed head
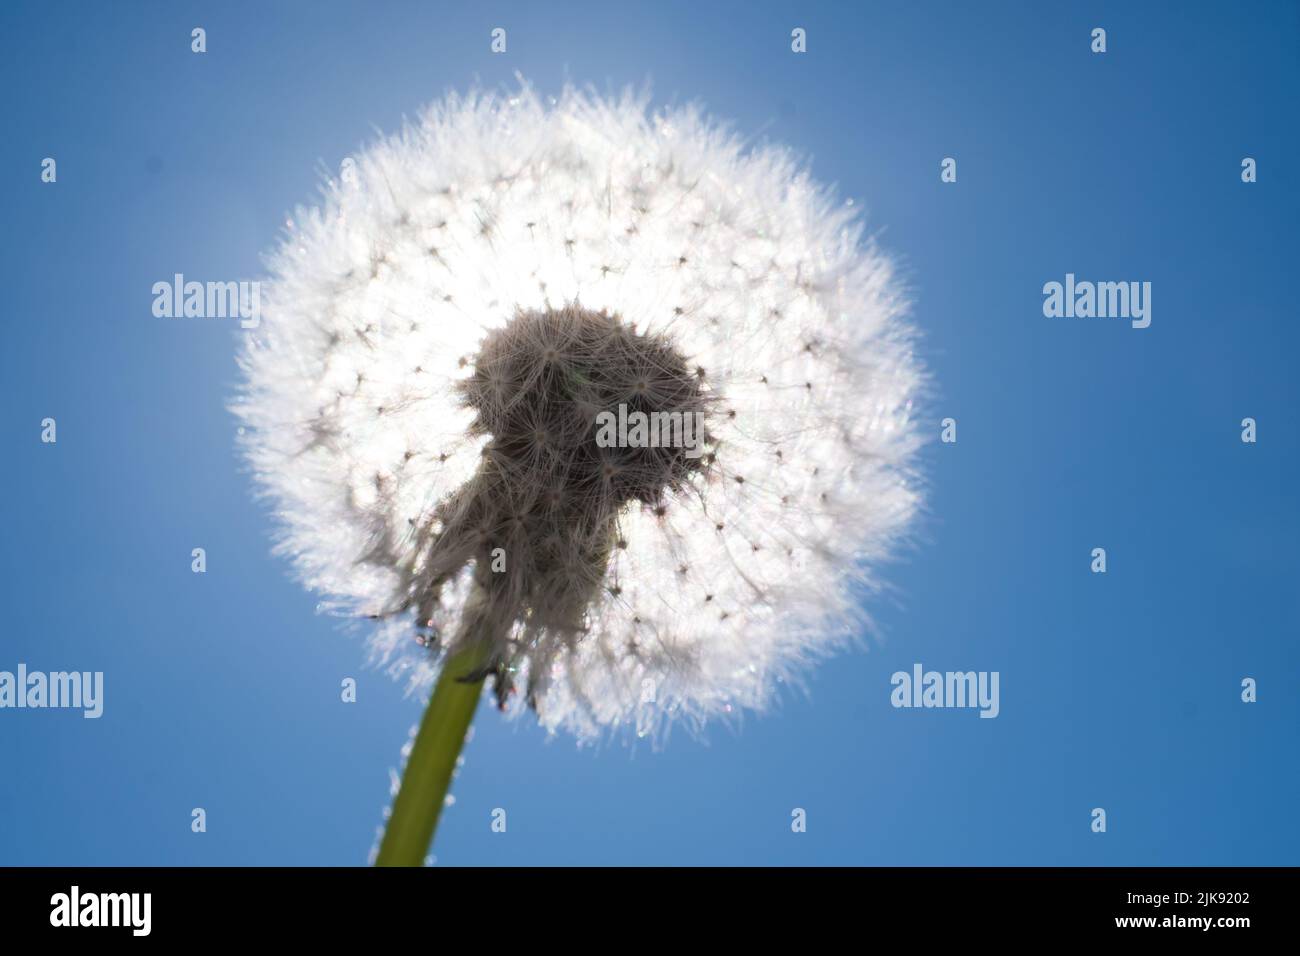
<point x="440" y="333"/>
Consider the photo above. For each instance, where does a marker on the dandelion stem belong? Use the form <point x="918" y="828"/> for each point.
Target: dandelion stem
<point x="433" y="758"/>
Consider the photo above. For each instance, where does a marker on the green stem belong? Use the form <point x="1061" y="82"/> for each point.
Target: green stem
<point x="433" y="758"/>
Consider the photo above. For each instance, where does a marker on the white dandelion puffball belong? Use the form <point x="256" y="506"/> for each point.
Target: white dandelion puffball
<point x="445" y="337"/>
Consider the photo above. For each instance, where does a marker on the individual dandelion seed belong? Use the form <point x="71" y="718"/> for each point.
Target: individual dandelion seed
<point x="437" y="340"/>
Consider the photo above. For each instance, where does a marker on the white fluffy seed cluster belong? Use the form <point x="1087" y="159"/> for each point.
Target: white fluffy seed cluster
<point x="436" y="333"/>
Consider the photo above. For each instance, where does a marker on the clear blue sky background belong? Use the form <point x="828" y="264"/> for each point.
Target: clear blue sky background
<point x="1118" y="691"/>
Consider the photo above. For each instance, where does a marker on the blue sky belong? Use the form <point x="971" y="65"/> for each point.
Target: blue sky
<point x="1119" y="690"/>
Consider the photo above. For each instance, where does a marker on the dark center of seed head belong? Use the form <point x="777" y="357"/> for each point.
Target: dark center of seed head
<point x="546" y="496"/>
<point x="537" y="386"/>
